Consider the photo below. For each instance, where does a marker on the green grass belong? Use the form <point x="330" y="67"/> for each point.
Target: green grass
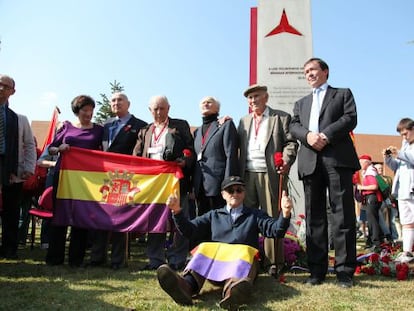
<point x="28" y="284"/>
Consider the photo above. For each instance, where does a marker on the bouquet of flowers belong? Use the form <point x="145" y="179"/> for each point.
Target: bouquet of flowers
<point x="295" y="244"/>
<point x="384" y="264"/>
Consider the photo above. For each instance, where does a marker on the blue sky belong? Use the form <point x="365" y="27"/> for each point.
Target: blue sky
<point x="188" y="49"/>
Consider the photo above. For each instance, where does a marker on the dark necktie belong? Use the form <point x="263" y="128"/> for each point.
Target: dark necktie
<point x="2" y="130"/>
<point x="113" y="130"/>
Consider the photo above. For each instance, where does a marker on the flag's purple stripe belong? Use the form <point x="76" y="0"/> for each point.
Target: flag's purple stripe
<point x="218" y="270"/>
<point x="142" y="218"/>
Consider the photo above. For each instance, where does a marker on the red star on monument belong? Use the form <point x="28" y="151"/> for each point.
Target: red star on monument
<point x="284" y="26"/>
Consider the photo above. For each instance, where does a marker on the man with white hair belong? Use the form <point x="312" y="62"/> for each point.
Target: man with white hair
<point x="168" y="139"/>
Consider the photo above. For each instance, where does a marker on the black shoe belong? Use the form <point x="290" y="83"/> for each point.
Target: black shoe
<point x="312" y="281"/>
<point x="116" y="266"/>
<point x="273" y="271"/>
<point x="344" y="280"/>
<point x="96" y="263"/>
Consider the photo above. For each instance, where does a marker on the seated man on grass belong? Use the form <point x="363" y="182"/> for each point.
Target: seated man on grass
<point x="231" y="258"/>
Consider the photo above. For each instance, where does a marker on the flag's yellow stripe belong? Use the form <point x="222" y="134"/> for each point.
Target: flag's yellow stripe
<point x="79" y="185"/>
<point x="227" y="252"/>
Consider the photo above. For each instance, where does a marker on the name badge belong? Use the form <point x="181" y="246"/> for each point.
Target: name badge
<point x="255" y="146"/>
<point x="155" y="149"/>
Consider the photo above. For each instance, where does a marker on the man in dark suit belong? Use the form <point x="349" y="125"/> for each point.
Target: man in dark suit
<point x="322" y="122"/>
<point x="170" y="140"/>
<point x="216" y="147"/>
<point x="120" y="136"/>
<point x="17" y="163"/>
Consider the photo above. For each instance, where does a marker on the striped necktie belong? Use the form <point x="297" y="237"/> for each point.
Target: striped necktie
<point x="2" y="130"/>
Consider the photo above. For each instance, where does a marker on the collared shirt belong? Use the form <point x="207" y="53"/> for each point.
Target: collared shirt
<point x="157" y="147"/>
<point x="322" y="92"/>
<point x="121" y="123"/>
<point x="235" y="212"/>
<point x="256" y="145"/>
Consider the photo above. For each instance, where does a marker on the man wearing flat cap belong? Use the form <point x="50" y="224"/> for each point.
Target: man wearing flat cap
<point x="267" y="151"/>
<point x="233" y="233"/>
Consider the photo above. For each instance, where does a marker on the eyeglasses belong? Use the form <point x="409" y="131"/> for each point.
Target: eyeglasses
<point x="235" y="189"/>
<point x="5" y="86"/>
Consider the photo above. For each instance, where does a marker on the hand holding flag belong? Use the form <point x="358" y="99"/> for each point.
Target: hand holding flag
<point x="173" y="203"/>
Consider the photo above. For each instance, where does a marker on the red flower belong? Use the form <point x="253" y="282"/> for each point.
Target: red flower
<point x="278" y="159"/>
<point x="358" y="270"/>
<point x="402" y="275"/>
<point x="386" y="271"/>
<point x="370" y="270"/>
<point x="187" y="153"/>
<point x="282" y="278"/>
<point x="298" y="223"/>
<point x="301" y="216"/>
<point x="386" y="259"/>
<point x="374" y="258"/>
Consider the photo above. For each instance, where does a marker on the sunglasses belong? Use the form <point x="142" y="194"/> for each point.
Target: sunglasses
<point x="235" y="189"/>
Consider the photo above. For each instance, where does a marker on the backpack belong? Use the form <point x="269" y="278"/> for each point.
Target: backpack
<point x="383" y="187"/>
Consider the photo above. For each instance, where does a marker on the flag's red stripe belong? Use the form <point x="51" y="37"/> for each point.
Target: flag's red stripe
<point x="99" y="161"/>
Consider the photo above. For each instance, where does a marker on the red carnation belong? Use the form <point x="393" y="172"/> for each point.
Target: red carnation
<point x="402" y="275"/>
<point x="278" y="159"/>
<point x="386" y="259"/>
<point x="374" y="258"/>
<point x="385" y="270"/>
<point x="187" y="153"/>
<point x="370" y="270"/>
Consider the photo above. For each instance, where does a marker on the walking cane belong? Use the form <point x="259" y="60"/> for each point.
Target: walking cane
<point x="278" y="160"/>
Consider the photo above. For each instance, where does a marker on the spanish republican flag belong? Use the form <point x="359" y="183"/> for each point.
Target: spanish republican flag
<point x="221" y="261"/>
<point x="114" y="192"/>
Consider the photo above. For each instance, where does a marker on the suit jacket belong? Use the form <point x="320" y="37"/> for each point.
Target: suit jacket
<point x="10" y="161"/>
<point x="338" y="117"/>
<point x="177" y="127"/>
<point x="124" y="142"/>
<point x="26" y="149"/>
<point x="219" y="157"/>
<point x="279" y="139"/>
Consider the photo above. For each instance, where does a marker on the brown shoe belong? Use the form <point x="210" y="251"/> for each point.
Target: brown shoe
<point x="174" y="285"/>
<point x="238" y="294"/>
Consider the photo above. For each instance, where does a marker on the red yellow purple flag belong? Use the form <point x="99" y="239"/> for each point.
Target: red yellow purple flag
<point x="221" y="261"/>
<point x="114" y="192"/>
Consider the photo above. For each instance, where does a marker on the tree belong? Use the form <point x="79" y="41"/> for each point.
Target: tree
<point x="104" y="111"/>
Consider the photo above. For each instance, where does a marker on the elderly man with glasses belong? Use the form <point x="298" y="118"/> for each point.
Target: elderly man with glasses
<point x="17" y="163"/>
<point x="230" y="259"/>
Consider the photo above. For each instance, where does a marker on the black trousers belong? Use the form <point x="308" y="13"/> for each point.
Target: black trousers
<point x="337" y="184"/>
<point x="372" y="207"/>
<point x="10" y="218"/>
<point x="57" y="241"/>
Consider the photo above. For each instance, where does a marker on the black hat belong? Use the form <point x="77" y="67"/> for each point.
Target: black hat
<point x="254" y="88"/>
<point x="230" y="181"/>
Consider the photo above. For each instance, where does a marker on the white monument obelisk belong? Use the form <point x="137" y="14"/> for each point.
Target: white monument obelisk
<point x="280" y="43"/>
